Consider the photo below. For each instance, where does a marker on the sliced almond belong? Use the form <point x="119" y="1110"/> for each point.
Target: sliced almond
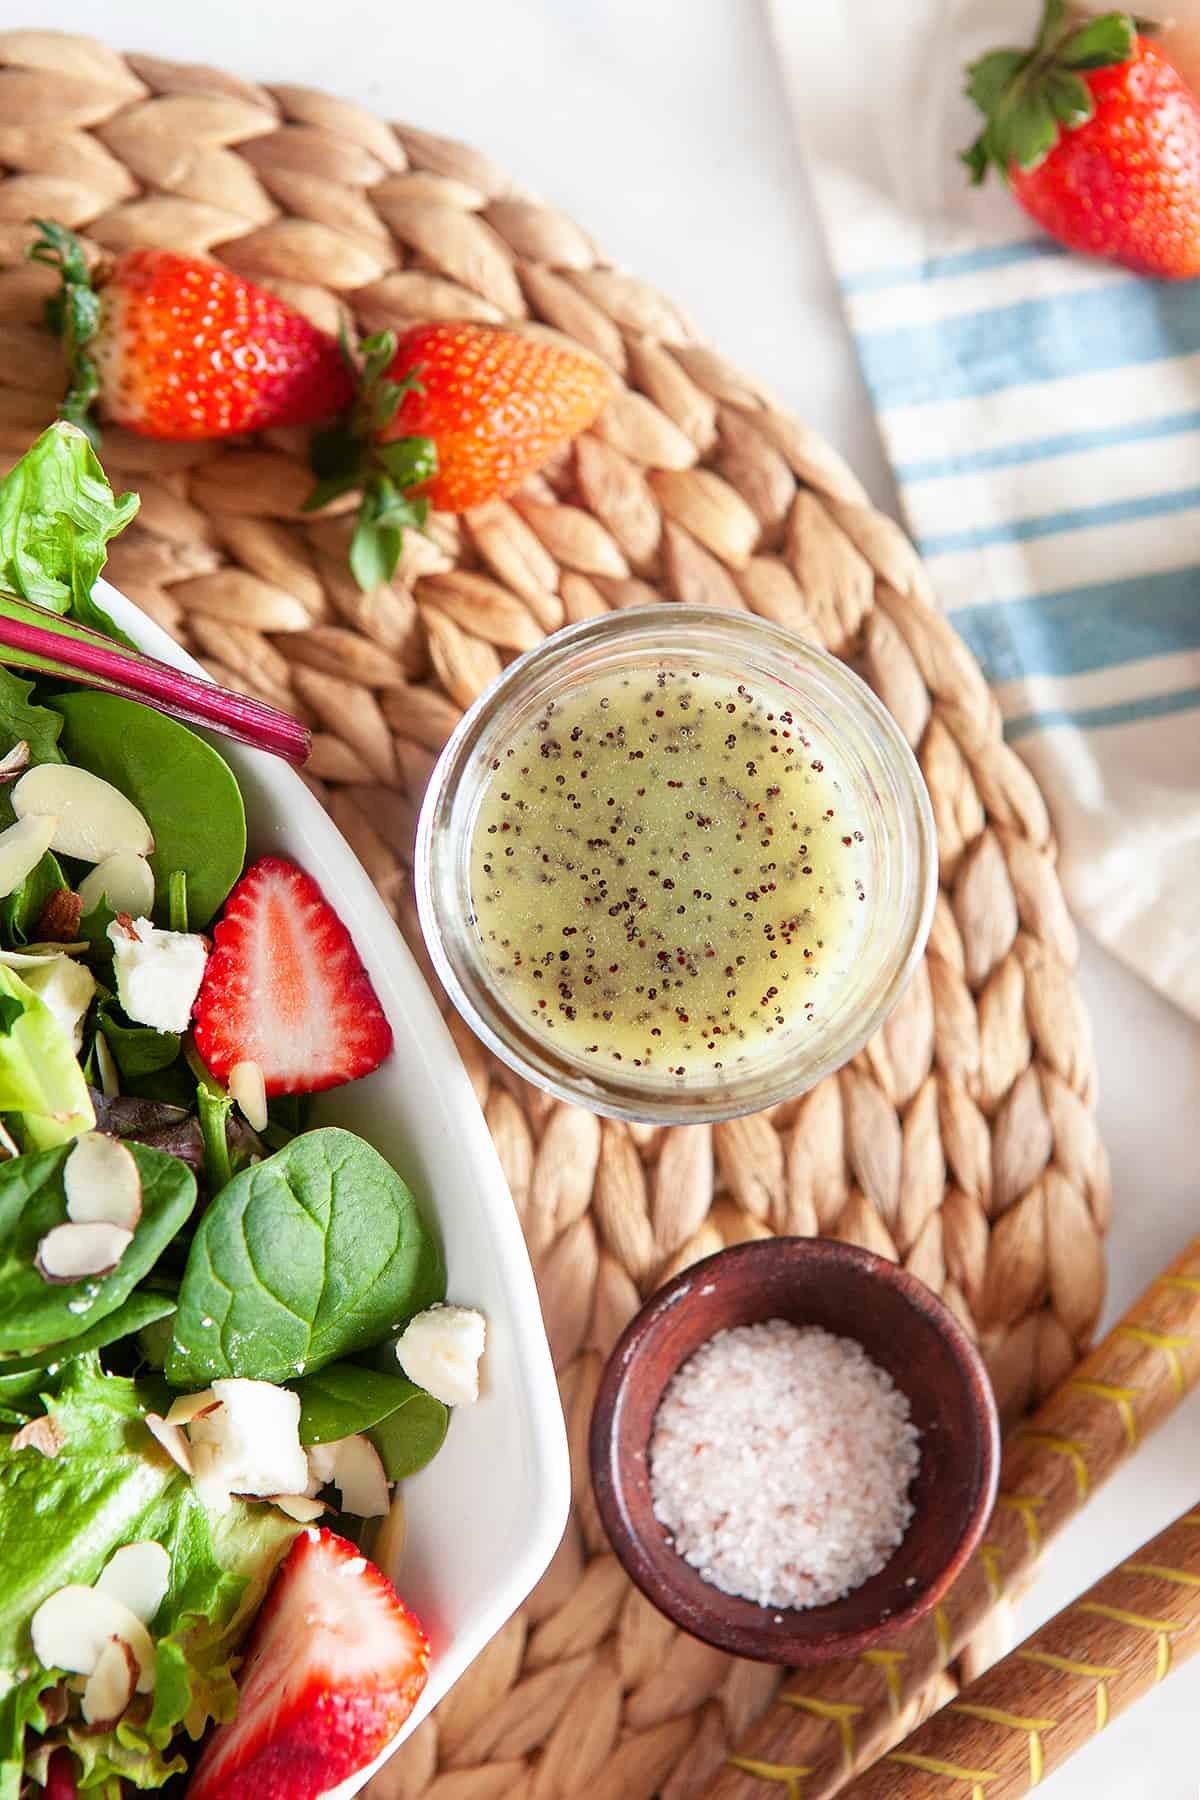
<point x="186" y="1407"/>
<point x="95" y="820"/>
<point x="102" y="1183"/>
<point x="111" y="1685"/>
<point x="43" y="1434"/>
<point x="139" y="1574"/>
<point x="359" y="1478"/>
<point x="69" y="1252"/>
<point x="126" y="881"/>
<point x="322" y="1464"/>
<point x="172" y="1440"/>
<point x="248" y="1087"/>
<point x="388" y="1545"/>
<point x="14" y="761"/>
<point x="22" y="847"/>
<point x="298" y="1507"/>
<point x="72" y="1627"/>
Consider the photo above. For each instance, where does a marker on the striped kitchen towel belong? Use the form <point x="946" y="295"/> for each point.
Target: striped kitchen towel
<point x="1042" y="414"/>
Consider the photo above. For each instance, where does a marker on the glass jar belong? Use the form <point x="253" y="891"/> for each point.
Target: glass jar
<point x="874" y="765"/>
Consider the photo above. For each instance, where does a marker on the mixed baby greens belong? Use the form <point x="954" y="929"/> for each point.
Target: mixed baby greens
<point x="262" y="1252"/>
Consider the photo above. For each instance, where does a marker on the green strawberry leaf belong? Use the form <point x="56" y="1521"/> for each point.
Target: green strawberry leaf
<point x="989" y="79"/>
<point x="410" y="461"/>
<point x="1099" y="44"/>
<point x="1069" y="97"/>
<point x="1028" y="98"/>
<point x="73" y="315"/>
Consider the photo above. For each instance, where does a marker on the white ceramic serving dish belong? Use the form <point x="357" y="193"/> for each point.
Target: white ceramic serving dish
<point x="484" y="1519"/>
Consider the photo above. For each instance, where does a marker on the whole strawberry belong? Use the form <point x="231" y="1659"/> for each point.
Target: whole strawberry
<point x="176" y="347"/>
<point x="449" y="415"/>
<point x="1099" y="137"/>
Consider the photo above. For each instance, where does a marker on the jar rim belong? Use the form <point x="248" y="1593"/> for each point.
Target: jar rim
<point x="668" y="628"/>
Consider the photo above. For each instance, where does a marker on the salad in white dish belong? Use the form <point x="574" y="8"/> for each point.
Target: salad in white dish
<point x="223" y="1335"/>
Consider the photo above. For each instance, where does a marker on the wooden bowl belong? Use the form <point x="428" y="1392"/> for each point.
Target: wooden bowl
<point x="905" y="1328"/>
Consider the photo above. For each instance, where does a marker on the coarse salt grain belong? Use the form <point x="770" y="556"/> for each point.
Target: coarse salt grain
<point x="780" y="1462"/>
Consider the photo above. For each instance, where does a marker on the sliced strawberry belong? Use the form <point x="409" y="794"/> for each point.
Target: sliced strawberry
<point x="334" y="1666"/>
<point x="284" y="988"/>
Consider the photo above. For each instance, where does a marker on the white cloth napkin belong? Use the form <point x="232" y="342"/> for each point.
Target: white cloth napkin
<point x="1042" y="413"/>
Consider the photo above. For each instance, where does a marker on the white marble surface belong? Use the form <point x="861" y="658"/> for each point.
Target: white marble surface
<point x="663" y="128"/>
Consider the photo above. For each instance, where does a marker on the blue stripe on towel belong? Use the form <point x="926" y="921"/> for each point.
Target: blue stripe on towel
<point x="1033" y="341"/>
<point x="1095" y="718"/>
<point x="1079" y="518"/>
<point x="1064" y="443"/>
<point x="1081" y="629"/>
<point x="959" y="262"/>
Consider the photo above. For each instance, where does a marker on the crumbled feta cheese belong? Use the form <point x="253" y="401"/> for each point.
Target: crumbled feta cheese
<point x="440" y="1350"/>
<point x="248" y="1444"/>
<point x="158" y="972"/>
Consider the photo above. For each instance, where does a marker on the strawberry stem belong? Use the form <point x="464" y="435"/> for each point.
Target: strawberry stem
<point x="59" y="648"/>
<point x="1029" y="97"/>
<point x="349" y="455"/>
<point x="72" y="315"/>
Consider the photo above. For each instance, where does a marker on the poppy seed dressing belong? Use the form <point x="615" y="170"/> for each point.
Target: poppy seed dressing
<point x="666" y="872"/>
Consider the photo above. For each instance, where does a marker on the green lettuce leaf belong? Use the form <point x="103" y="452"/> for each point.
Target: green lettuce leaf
<point x="111" y="1485"/>
<point x="57" y="514"/>
<point x="40" y="1078"/>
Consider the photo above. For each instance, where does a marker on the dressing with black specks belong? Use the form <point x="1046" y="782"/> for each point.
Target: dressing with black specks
<point x="666" y="873"/>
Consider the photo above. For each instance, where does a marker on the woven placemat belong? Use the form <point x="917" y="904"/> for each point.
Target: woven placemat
<point x="961" y="1141"/>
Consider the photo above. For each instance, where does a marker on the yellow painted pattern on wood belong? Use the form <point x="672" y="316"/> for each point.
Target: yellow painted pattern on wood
<point x="941" y="1630"/>
<point x="1121" y="1398"/>
<point x="1033" y="1728"/>
<point x="1162" y="1629"/>
<point x="1100" y="1673"/>
<point x="888" y="1661"/>
<point x="789" y="1775"/>
<point x="841" y="1713"/>
<point x="1176" y="1577"/>
<point x="1169" y="1345"/>
<point x="932" y="1765"/>
<point x="1067" y="1447"/>
<point x="991" y="1556"/>
<point x="1190" y="1284"/>
<point x="1027" y="1506"/>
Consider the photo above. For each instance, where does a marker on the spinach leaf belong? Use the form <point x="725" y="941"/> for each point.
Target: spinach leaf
<point x="21" y="910"/>
<point x="141" y="1309"/>
<point x="316" y="1252"/>
<point x="93" y="929"/>
<point x="183" y="787"/>
<point x="39" y="1077"/>
<point x="22" y="718"/>
<point x="177" y="900"/>
<point x="57" y="513"/>
<point x="405" y="1424"/>
<point x="34" y="1313"/>
<point x="411" y="1436"/>
<point x="137" y="1049"/>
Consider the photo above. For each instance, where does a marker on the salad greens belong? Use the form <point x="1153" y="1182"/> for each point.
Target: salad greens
<point x="34" y="1311"/>
<point x="110" y="1485"/>
<point x="183" y="787"/>
<point x="40" y="1080"/>
<point x="312" y="1254"/>
<point x="266" y="1253"/>
<point x="57" y="514"/>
